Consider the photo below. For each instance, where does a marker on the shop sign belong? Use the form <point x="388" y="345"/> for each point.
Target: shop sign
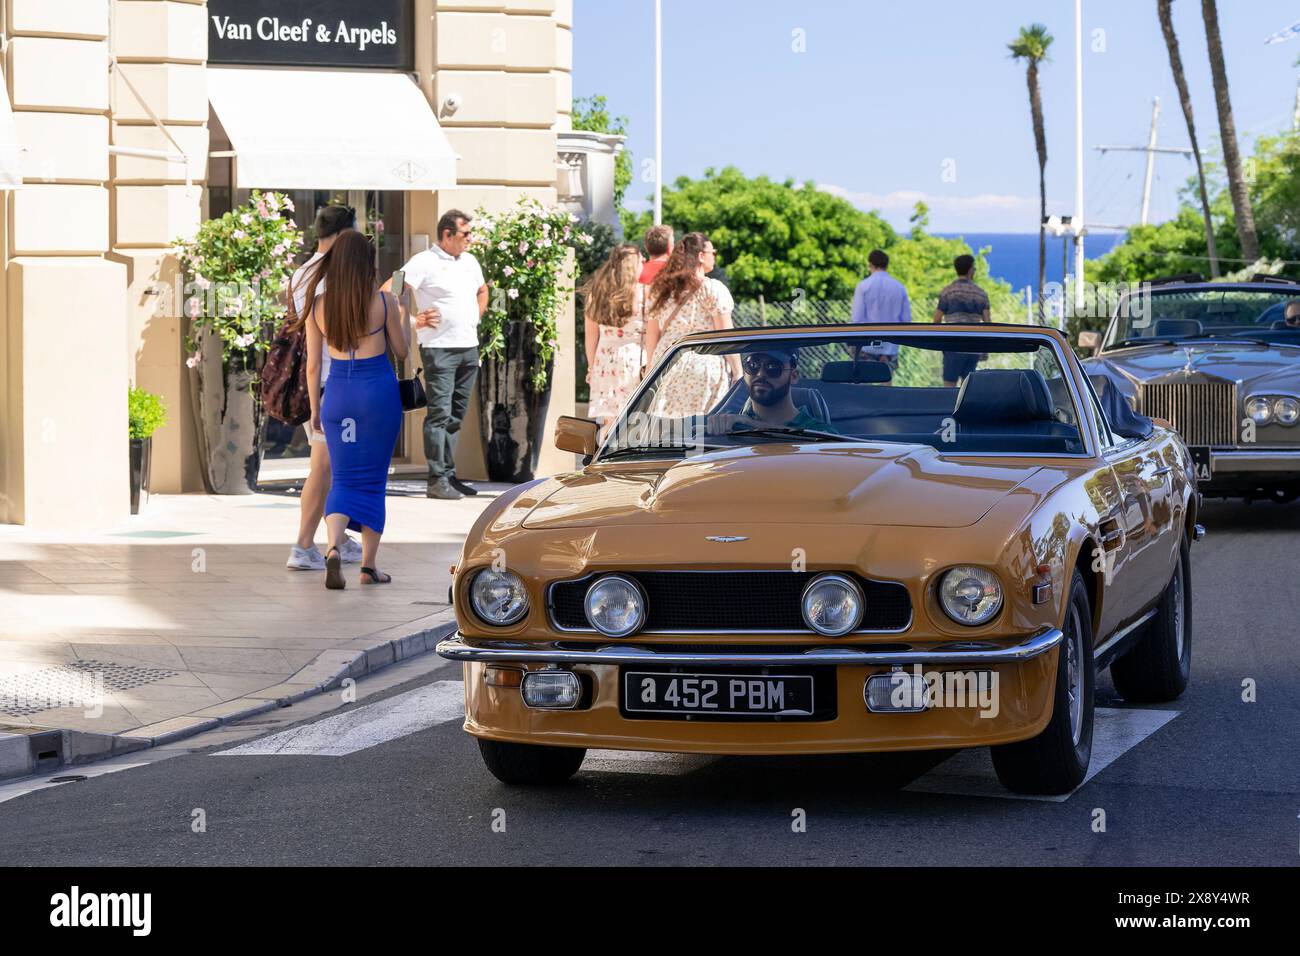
<point x="338" y="33"/>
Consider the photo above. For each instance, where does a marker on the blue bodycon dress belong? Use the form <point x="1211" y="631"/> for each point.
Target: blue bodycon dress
<point x="362" y="415"/>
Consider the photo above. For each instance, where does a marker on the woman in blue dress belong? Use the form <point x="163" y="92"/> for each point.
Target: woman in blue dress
<point x="360" y="413"/>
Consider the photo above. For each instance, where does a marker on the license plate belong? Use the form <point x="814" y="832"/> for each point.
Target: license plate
<point x="1202" y="462"/>
<point x="720" y="695"/>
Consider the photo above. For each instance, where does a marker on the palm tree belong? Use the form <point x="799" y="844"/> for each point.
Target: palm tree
<point x="1164" y="9"/>
<point x="1237" y="186"/>
<point x="1031" y="47"/>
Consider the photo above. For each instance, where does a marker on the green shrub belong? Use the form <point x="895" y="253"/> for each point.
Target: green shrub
<point x="146" y="413"/>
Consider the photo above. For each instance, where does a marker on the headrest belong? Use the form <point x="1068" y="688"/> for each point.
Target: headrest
<point x="1177" y="327"/>
<point x="862" y="372"/>
<point x="994" y="396"/>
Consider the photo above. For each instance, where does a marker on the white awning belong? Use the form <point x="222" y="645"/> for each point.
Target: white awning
<point x="11" y="164"/>
<point x="317" y="129"/>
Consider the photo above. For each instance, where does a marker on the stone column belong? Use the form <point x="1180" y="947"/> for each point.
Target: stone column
<point x="161" y="48"/>
<point x="63" y="425"/>
<point x="505" y="64"/>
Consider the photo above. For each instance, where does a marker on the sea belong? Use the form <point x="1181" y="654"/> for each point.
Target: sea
<point x="1014" y="256"/>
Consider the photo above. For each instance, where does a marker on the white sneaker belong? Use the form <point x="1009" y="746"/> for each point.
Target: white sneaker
<point x="351" y="550"/>
<point x="305" y="559"/>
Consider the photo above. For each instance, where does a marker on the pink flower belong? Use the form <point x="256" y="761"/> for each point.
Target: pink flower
<point x="194" y="306"/>
<point x="194" y="360"/>
<point x="278" y="250"/>
<point x="202" y="283"/>
<point x="508" y="271"/>
<point x="523" y="247"/>
<point x="246" y="219"/>
<point x="513" y="293"/>
<point x="288" y="204"/>
<point x="239" y="234"/>
<point x="262" y="210"/>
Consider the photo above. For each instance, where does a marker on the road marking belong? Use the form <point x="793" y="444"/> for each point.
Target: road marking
<point x="364" y="727"/>
<point x="1115" y="731"/>
<point x="45" y="782"/>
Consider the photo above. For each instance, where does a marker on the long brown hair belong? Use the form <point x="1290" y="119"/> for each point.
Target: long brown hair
<point x="680" y="278"/>
<point x="349" y="273"/>
<point x="609" y="294"/>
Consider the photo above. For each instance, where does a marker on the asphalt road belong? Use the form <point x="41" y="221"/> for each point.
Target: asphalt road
<point x="1218" y="783"/>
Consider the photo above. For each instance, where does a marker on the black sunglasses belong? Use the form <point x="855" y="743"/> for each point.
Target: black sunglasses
<point x="772" y="368"/>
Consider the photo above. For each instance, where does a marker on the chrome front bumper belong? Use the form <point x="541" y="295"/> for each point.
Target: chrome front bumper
<point x="970" y="653"/>
<point x="1253" y="460"/>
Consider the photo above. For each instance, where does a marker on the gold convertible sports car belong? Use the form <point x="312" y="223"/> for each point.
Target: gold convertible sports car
<point x="834" y="539"/>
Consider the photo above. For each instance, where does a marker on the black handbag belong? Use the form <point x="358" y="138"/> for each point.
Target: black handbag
<point x="411" y="391"/>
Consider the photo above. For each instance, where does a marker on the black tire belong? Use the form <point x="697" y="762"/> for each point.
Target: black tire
<point x="1156" y="669"/>
<point x="530" y="764"/>
<point x="1054" y="762"/>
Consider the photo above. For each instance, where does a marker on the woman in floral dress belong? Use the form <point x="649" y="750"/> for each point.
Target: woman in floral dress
<point x="684" y="300"/>
<point x="613" y="318"/>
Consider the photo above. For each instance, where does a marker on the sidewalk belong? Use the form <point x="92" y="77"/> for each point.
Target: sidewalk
<point x="187" y="614"/>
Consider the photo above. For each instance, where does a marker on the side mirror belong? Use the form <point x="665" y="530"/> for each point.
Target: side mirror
<point x="577" y="435"/>
<point x="1090" y="341"/>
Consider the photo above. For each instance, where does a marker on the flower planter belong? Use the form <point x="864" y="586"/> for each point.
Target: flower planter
<point x="512" y="410"/>
<point x="231" y="419"/>
<point x="141" y="453"/>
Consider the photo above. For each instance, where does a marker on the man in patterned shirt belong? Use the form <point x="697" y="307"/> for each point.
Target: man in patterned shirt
<point x="961" y="301"/>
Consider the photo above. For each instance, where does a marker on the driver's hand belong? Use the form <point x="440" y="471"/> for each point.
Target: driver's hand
<point x="722" y="423"/>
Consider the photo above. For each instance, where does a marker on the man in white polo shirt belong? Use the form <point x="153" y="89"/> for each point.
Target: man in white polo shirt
<point x="450" y="296"/>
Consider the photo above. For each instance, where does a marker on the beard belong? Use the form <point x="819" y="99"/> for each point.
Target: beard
<point x="774" y="396"/>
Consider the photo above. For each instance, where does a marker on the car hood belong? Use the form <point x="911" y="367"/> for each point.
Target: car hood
<point x="905" y="485"/>
<point x="1200" y="360"/>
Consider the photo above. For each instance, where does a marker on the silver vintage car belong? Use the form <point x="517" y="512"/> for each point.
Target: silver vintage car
<point x="1221" y="363"/>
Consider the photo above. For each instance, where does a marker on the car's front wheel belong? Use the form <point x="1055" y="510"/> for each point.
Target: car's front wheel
<point x="530" y="764"/>
<point x="1056" y="761"/>
<point x="1158" y="666"/>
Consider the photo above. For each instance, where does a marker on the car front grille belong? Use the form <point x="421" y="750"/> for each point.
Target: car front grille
<point x="1204" y="413"/>
<point x="731" y="601"/>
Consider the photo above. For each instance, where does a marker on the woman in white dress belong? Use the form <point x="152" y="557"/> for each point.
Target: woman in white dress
<point x="613" y="320"/>
<point x="683" y="300"/>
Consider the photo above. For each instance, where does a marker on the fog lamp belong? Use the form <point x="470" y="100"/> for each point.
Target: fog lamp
<point x="898" y="692"/>
<point x="552" y="690"/>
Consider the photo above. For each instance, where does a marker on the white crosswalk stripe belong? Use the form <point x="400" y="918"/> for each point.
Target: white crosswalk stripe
<point x="364" y="727"/>
<point x="968" y="773"/>
<point x="1115" y="732"/>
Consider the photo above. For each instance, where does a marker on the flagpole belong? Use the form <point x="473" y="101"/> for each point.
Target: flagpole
<point x="659" y="112"/>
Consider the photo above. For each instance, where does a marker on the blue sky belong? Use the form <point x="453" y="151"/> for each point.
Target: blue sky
<point x="886" y="93"/>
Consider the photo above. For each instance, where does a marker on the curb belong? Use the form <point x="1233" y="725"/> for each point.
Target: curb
<point x="25" y="751"/>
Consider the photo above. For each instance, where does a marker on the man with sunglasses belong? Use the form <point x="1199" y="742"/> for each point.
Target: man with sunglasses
<point x="450" y="296"/>
<point x="769" y="376"/>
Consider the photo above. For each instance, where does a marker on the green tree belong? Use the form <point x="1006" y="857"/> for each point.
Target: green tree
<point x="775" y="238"/>
<point x="1030" y="47"/>
<point x="591" y="114"/>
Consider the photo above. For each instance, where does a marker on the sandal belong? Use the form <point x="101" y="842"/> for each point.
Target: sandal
<point x="376" y="577"/>
<point x="334" y="570"/>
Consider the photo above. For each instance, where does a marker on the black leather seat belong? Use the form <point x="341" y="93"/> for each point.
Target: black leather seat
<point x="1007" y="402"/>
<point x="1175" y="328"/>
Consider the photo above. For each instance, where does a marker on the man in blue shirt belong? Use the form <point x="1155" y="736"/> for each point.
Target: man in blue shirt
<point x="880" y="298"/>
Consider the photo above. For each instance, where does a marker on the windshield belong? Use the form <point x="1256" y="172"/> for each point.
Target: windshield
<point x="958" y="392"/>
<point x="1228" y="313"/>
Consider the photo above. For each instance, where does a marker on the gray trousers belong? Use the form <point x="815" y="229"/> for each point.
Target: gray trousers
<point x="449" y="381"/>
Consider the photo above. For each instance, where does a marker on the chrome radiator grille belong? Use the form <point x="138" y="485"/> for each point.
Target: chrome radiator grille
<point x="1204" y="413"/>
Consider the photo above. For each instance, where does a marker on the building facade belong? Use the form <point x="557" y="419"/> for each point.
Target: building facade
<point x="135" y="120"/>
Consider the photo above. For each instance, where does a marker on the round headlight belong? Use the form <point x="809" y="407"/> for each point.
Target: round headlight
<point x="970" y="595"/>
<point x="832" y="605"/>
<point x="1260" y="410"/>
<point x="1286" y="410"/>
<point x="615" y="606"/>
<point x="499" y="597"/>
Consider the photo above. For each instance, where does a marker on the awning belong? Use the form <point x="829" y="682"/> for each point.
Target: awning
<point x="11" y="164"/>
<point x="317" y="129"/>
